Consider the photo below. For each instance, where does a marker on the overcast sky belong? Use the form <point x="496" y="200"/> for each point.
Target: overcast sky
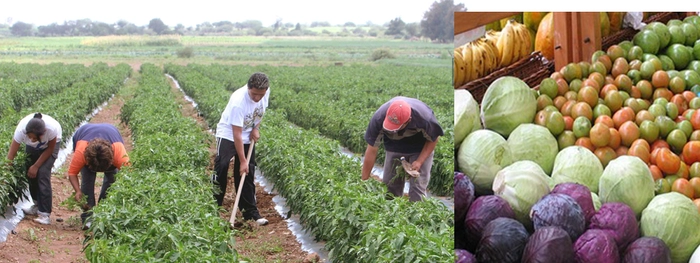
<point x="191" y="13"/>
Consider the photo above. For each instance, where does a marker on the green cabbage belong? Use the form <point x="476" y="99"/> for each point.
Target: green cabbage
<point x="521" y="184"/>
<point x="577" y="164"/>
<point x="627" y="179"/>
<point x="507" y="103"/>
<point x="535" y="143"/>
<point x="596" y="201"/>
<point x="673" y="218"/>
<point x="481" y="156"/>
<point x="466" y="115"/>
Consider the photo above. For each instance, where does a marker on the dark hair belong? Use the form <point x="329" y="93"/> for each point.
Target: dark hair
<point x="99" y="155"/>
<point x="35" y="126"/>
<point x="258" y="81"/>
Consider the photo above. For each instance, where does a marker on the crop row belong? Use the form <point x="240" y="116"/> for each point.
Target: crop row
<point x="352" y="216"/>
<point x="69" y="107"/>
<point x="161" y="208"/>
<point x="336" y="101"/>
<point x="21" y="85"/>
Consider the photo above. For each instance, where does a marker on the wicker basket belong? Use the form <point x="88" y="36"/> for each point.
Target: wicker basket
<point x="531" y="69"/>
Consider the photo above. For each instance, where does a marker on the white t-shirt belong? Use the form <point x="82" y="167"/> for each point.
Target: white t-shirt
<point x="53" y="130"/>
<point x="243" y="112"/>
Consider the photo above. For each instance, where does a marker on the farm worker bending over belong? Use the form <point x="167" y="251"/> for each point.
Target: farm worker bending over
<point x="40" y="135"/>
<point x="96" y="148"/>
<point x="237" y="127"/>
<point x="409" y="129"/>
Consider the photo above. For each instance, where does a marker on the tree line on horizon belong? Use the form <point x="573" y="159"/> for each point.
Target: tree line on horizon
<point x="437" y="25"/>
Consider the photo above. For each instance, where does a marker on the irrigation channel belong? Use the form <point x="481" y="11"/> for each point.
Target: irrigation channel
<point x="12" y="217"/>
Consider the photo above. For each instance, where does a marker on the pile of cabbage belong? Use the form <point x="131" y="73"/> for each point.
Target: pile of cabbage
<point x="567" y="223"/>
<point x="518" y="198"/>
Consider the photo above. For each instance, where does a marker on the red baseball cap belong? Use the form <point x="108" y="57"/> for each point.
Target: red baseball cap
<point x="398" y="113"/>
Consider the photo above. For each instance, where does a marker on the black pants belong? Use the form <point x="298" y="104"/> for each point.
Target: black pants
<point x="225" y="149"/>
<point x="87" y="187"/>
<point x="40" y="186"/>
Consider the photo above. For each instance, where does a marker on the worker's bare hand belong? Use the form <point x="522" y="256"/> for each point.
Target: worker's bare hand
<point x="365" y="177"/>
<point x="416" y="165"/>
<point x="244" y="167"/>
<point x="31" y="173"/>
<point x="255" y="135"/>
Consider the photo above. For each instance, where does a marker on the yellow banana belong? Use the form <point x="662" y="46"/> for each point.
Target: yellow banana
<point x="469" y="74"/>
<point x="525" y="41"/>
<point x="477" y="61"/>
<point x="517" y="42"/>
<point x="492" y="39"/>
<point x="500" y="45"/>
<point x="492" y="54"/>
<point x="505" y="43"/>
<point x="455" y="81"/>
<point x="492" y="35"/>
<point x="478" y="57"/>
<point x="459" y="68"/>
<point x="487" y="55"/>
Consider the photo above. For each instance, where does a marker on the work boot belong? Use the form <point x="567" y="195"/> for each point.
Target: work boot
<point x="43" y="218"/>
<point x="33" y="210"/>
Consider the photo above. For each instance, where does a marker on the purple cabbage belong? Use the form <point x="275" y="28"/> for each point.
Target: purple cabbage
<point x="549" y="244"/>
<point x="484" y="209"/>
<point x="647" y="250"/>
<point x="464" y="256"/>
<point x="596" y="246"/>
<point x="559" y="210"/>
<point x="580" y="193"/>
<point x="620" y="219"/>
<point x="463" y="194"/>
<point x="463" y="197"/>
<point x="502" y="241"/>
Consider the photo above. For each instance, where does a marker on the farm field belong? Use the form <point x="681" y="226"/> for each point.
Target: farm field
<point x="316" y="109"/>
<point x="296" y="51"/>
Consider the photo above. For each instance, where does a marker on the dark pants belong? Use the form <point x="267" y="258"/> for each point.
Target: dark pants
<point x="225" y="149"/>
<point x="40" y="186"/>
<point x="395" y="184"/>
<point x="87" y="187"/>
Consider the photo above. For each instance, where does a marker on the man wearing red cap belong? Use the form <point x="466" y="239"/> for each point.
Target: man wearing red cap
<point x="408" y="128"/>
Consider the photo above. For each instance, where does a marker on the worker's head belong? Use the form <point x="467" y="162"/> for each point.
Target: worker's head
<point x="99" y="155"/>
<point x="257" y="86"/>
<point x="35" y="128"/>
<point x="397" y="116"/>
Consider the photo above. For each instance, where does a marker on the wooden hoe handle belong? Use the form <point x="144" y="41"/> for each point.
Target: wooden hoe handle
<point x="240" y="186"/>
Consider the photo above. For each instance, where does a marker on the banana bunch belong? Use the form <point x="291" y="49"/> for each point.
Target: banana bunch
<point x="514" y="43"/>
<point x="474" y="60"/>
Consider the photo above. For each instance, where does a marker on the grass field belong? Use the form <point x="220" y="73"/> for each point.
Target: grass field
<point x="296" y="51"/>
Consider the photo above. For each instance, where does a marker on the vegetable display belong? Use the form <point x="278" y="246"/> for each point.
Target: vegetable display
<point x="626" y="130"/>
